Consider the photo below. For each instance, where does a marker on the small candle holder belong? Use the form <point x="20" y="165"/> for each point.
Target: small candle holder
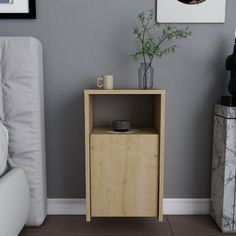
<point x="121" y="125"/>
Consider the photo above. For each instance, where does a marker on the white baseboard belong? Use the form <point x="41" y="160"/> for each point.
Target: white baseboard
<point x="59" y="206"/>
<point x="172" y="206"/>
<point x="186" y="206"/>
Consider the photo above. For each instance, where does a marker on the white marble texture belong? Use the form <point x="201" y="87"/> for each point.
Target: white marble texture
<point x="223" y="187"/>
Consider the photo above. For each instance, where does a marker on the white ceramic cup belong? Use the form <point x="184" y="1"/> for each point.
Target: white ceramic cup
<point x="105" y="82"/>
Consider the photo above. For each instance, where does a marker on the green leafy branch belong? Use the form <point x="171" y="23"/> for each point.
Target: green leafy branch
<point x="151" y="37"/>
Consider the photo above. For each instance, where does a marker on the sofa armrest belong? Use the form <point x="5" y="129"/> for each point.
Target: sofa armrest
<point x="14" y="202"/>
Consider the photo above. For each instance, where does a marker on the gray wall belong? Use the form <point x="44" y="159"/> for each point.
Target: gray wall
<point x="85" y="38"/>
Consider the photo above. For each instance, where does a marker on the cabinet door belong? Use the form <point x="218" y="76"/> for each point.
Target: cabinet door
<point x="124" y="178"/>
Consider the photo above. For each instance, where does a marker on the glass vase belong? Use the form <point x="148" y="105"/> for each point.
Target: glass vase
<point x="145" y="76"/>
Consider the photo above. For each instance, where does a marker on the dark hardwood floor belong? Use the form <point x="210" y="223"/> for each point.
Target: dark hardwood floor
<point x="172" y="225"/>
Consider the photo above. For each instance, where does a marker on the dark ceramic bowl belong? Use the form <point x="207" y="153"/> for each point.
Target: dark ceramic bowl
<point x="121" y="125"/>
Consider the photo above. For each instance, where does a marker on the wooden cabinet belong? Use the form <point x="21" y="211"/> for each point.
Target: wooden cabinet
<point x="124" y="172"/>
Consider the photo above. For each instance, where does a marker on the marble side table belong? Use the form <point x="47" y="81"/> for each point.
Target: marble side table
<point x="223" y="185"/>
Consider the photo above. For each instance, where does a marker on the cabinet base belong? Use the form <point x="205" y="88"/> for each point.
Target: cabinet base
<point x="89" y="219"/>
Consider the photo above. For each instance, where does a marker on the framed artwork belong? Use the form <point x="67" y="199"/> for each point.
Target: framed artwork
<point x="191" y="11"/>
<point x="17" y="9"/>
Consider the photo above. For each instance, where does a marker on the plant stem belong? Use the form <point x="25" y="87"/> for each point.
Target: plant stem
<point x="144" y="58"/>
<point x="151" y="59"/>
<point x="145" y="28"/>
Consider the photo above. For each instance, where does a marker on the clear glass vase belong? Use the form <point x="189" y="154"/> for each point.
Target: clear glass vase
<point x="145" y="76"/>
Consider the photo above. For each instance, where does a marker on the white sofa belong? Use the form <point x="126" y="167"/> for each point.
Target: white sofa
<point x="14" y="192"/>
<point x="14" y="202"/>
<point x="23" y="189"/>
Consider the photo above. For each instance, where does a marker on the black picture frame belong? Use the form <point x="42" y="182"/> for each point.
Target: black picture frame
<point x="30" y="15"/>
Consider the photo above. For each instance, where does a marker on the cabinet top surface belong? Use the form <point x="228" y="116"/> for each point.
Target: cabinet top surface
<point x="138" y="131"/>
<point x="124" y="91"/>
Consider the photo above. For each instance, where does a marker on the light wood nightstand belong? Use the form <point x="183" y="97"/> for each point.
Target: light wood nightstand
<point x="124" y="172"/>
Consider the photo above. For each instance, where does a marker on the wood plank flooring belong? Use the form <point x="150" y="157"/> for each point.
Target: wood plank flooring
<point x="172" y="225"/>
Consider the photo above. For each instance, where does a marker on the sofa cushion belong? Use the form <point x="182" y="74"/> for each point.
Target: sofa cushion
<point x="14" y="202"/>
<point x="3" y="148"/>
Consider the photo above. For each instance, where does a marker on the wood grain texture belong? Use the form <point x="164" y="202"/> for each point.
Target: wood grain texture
<point x="160" y="103"/>
<point x="88" y="118"/>
<point x="162" y="155"/>
<point x="158" y="128"/>
<point x="139" y="130"/>
<point x="124" y="175"/>
<point x="124" y="91"/>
